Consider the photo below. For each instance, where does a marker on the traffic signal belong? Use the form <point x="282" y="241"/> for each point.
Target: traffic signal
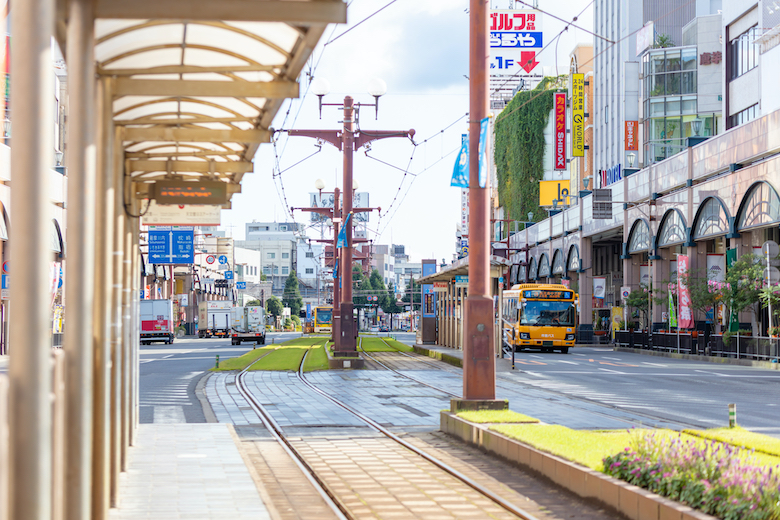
<point x="302" y="313"/>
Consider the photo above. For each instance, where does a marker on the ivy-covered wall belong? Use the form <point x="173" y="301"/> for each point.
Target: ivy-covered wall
<point x="519" y="149"/>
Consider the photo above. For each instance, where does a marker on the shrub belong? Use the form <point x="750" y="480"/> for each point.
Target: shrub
<point x="714" y="477"/>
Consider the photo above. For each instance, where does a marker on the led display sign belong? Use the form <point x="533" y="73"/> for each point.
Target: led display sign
<point x="184" y="192"/>
<point x="548" y="295"/>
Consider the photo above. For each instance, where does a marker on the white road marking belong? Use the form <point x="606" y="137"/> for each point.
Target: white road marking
<point x="534" y="355"/>
<point x="654" y="364"/>
<point x="614" y="371"/>
<point x="568" y="362"/>
<point x="576" y="354"/>
<point x="711" y="373"/>
<point x="535" y="374"/>
<point x="613" y="358"/>
<point x="169" y="414"/>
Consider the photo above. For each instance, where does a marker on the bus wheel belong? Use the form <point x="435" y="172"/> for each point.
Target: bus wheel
<point x="565" y="350"/>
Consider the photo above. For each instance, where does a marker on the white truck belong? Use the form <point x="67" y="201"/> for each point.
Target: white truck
<point x="248" y="324"/>
<point x="214" y="318"/>
<point x="157" y="321"/>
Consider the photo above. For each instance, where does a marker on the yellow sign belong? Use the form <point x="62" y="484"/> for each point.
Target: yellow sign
<point x="577" y="115"/>
<point x="617" y="317"/>
<point x="554" y="190"/>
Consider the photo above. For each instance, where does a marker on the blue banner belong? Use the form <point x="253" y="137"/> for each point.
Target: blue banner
<point x="308" y="312"/>
<point x="336" y="269"/>
<point x="342" y="241"/>
<point x="483" y="130"/>
<point x="460" y="174"/>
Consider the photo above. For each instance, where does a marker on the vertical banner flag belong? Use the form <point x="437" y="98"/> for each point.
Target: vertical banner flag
<point x="559" y="152"/>
<point x="483" y="135"/>
<point x="630" y="136"/>
<point x="464" y="213"/>
<point x="644" y="275"/>
<point x="683" y="295"/>
<point x="731" y="257"/>
<point x="716" y="267"/>
<point x="672" y="312"/>
<point x="342" y="241"/>
<point x="460" y="174"/>
<point x="599" y="287"/>
<point x="336" y="269"/>
<point x="578" y="115"/>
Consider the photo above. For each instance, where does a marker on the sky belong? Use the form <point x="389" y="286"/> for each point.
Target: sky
<point x="420" y="49"/>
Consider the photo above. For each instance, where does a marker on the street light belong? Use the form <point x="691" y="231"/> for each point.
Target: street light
<point x="320" y="87"/>
<point x="377" y="88"/>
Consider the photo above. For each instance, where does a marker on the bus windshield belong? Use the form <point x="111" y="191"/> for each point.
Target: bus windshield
<point x="324" y="315"/>
<point x="549" y="313"/>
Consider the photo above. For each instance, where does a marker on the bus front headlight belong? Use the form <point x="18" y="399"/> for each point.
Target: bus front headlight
<point x="525" y="335"/>
<point x="569" y="337"/>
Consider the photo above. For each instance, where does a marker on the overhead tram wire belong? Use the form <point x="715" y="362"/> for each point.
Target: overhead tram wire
<point x="360" y="22"/>
<point x="504" y="114"/>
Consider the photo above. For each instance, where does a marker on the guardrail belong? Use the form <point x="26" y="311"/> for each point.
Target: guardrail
<point x="759" y="348"/>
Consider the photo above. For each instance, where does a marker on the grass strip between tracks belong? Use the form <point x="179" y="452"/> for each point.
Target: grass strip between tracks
<point x="284" y="356"/>
<point x="375" y="344"/>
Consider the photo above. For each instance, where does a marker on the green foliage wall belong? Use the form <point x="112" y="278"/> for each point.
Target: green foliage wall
<point x="519" y="149"/>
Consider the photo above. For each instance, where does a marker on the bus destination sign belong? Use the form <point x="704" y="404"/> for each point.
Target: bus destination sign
<point x="548" y="295"/>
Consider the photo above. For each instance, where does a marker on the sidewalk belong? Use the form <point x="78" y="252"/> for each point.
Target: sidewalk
<point x="187" y="471"/>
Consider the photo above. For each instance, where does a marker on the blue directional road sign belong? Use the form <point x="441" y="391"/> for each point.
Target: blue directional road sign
<point x="228" y="275"/>
<point x="222" y="259"/>
<point x="171" y="245"/>
<point x="241" y="285"/>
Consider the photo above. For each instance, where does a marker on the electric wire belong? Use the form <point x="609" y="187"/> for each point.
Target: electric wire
<point x="361" y="21"/>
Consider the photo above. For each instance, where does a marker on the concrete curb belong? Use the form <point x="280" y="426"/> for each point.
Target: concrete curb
<point x="200" y="393"/>
<point x="632" y="501"/>
<point x="705" y="359"/>
<point x="441" y="356"/>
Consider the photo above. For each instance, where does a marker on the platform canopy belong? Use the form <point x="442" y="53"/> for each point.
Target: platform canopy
<point x="498" y="267"/>
<point x="197" y="83"/>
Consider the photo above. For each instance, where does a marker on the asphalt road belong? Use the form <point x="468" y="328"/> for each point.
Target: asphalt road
<point x="170" y="373"/>
<point x="681" y="392"/>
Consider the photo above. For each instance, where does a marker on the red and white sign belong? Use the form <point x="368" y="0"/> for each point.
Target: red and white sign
<point x="683" y="294"/>
<point x="559" y="153"/>
<point x="211" y="259"/>
<point x="630" y="137"/>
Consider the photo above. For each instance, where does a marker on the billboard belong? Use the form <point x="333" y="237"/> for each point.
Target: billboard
<point x="559" y="132"/>
<point x="578" y="115"/>
<point x="515" y="38"/>
<point x="325" y="200"/>
<point x="553" y="190"/>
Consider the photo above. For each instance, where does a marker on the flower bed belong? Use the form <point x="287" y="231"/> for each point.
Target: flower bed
<point x="714" y="477"/>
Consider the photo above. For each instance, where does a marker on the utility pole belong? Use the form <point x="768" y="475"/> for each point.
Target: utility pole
<point x="479" y="364"/>
<point x="348" y="140"/>
<point x="334" y="214"/>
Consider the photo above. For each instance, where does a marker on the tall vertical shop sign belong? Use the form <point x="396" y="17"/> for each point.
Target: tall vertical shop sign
<point x="631" y="143"/>
<point x="515" y="38"/>
<point x="578" y="115"/>
<point x="559" y="152"/>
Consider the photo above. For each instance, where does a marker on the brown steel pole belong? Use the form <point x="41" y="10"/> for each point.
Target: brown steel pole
<point x="348" y="343"/>
<point x="479" y="369"/>
<point x="336" y="323"/>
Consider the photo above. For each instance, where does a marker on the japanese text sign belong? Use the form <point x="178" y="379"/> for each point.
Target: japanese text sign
<point x="559" y="151"/>
<point x="578" y="115"/>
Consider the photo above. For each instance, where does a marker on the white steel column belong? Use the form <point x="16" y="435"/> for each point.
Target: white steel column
<point x="79" y="269"/>
<point x="32" y="156"/>
<point x="104" y="241"/>
<point x="117" y="366"/>
<point x="127" y="326"/>
<point x="135" y="294"/>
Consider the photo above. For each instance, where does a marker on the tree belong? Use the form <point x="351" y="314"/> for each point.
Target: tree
<point x="254" y="303"/>
<point x="638" y="300"/>
<point x="273" y="306"/>
<point x="263" y="277"/>
<point x="292" y="294"/>
<point x="378" y="286"/>
<point x="705" y="293"/>
<point x="745" y="282"/>
<point x="390" y="304"/>
<point x="663" y="41"/>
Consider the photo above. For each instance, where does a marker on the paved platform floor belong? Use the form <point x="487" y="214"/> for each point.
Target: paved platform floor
<point x="187" y="471"/>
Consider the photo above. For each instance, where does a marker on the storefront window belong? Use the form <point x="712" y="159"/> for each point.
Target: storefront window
<point x="712" y="220"/>
<point x="557" y="265"/>
<point x="574" y="258"/>
<point x="761" y="206"/>
<point x="544" y="266"/>
<point x="672" y="229"/>
<point x="639" y="239"/>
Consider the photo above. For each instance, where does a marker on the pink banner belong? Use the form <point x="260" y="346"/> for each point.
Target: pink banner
<point x="683" y="295"/>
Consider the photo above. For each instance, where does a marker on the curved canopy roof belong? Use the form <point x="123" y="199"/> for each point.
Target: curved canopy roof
<point x="196" y="94"/>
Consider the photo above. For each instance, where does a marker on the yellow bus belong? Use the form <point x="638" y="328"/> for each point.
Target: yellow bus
<point x="323" y="318"/>
<point x="539" y="316"/>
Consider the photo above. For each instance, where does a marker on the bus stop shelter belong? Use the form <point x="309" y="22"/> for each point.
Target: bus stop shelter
<point x="450" y="286"/>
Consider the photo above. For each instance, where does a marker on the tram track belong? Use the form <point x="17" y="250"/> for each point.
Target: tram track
<point x="330" y="497"/>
